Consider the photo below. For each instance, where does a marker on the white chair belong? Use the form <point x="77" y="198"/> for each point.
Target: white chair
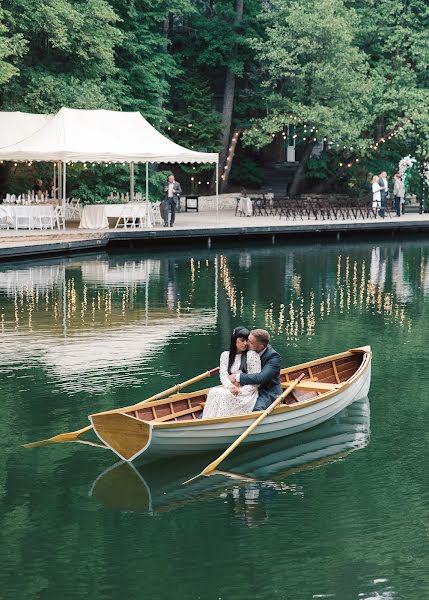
<point x="44" y="217"/>
<point x="75" y="209"/>
<point x="59" y="217"/>
<point x="155" y="209"/>
<point x="131" y="217"/>
<point x="24" y="219"/>
<point x="6" y="220"/>
<point x="126" y="219"/>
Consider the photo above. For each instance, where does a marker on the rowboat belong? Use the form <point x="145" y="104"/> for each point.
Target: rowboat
<point x="171" y="426"/>
<point x="156" y="487"/>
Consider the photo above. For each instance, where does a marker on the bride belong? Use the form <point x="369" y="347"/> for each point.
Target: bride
<point x="229" y="399"/>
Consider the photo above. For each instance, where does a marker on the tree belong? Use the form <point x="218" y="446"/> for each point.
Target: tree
<point x="144" y="56"/>
<point x="212" y="44"/>
<point x="69" y="58"/>
<point x="313" y="71"/>
<point x="11" y="47"/>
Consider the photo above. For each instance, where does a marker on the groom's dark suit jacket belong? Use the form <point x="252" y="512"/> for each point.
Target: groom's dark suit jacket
<point x="268" y="379"/>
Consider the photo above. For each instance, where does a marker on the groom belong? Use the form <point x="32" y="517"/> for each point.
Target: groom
<point x="268" y="379"/>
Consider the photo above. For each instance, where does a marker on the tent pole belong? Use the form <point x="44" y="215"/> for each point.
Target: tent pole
<point x="64" y="190"/>
<point x="217" y="191"/>
<point x="60" y="181"/>
<point x="131" y="182"/>
<point x="54" y="194"/>
<point x="147" y="201"/>
<point x="147" y="182"/>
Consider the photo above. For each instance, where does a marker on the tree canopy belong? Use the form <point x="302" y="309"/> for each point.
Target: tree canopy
<point x="348" y="76"/>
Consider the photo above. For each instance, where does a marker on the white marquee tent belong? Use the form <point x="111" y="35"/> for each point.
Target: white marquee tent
<point x="17" y="126"/>
<point x="97" y="136"/>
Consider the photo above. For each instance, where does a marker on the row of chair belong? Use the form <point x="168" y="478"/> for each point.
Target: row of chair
<point x="318" y="208"/>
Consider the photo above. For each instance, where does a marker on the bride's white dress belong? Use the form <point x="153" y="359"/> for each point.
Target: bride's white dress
<point x="220" y="401"/>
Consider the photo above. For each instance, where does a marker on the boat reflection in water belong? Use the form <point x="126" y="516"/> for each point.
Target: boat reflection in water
<point x="254" y="472"/>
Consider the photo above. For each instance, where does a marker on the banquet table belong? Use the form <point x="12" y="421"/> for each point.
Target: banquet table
<point x="245" y="206"/>
<point x="31" y="216"/>
<point x="96" y="216"/>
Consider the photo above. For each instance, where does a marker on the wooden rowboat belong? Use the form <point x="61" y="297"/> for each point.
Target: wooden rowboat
<point x="171" y="426"/>
<point x="156" y="487"/>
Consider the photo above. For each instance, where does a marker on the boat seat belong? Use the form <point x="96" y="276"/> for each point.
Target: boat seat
<point x="313" y="386"/>
<point x="188" y="411"/>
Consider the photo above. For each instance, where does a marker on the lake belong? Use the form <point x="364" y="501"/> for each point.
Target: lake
<point x="339" y="511"/>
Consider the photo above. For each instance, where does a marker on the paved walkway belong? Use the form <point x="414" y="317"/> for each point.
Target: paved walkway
<point x="196" y="225"/>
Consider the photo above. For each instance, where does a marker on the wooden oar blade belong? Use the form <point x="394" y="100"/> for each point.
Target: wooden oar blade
<point x="62" y="437"/>
<point x="232" y="475"/>
<point x="193" y="478"/>
<point x="229" y="474"/>
<point x="52" y="440"/>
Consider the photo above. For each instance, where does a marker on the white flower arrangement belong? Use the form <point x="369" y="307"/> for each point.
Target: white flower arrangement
<point x="405" y="163"/>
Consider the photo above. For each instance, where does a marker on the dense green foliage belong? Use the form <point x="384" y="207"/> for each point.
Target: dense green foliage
<point x="352" y="71"/>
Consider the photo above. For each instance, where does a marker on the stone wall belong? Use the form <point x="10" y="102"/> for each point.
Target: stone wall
<point x="226" y="201"/>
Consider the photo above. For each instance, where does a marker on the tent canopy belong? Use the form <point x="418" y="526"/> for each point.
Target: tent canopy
<point x="17" y="126"/>
<point x="99" y="136"/>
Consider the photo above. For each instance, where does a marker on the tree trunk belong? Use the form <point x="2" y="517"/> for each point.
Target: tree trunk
<point x="299" y="173"/>
<point x="228" y="106"/>
<point x="230" y="157"/>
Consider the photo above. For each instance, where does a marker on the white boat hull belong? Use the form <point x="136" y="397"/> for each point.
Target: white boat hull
<point x="205" y="437"/>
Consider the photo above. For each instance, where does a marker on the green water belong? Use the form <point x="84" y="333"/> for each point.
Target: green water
<point x="340" y="511"/>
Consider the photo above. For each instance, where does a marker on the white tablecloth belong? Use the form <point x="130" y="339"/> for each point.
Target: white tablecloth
<point x="96" y="216"/>
<point x="31" y="217"/>
<point x="245" y="207"/>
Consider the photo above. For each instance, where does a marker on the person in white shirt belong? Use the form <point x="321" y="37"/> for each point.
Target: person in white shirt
<point x="376" y="193"/>
<point x="230" y="399"/>
<point x="172" y="191"/>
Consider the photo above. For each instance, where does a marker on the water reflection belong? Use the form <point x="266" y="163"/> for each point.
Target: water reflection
<point x="265" y="468"/>
<point x="102" y="290"/>
<point x="84" y="317"/>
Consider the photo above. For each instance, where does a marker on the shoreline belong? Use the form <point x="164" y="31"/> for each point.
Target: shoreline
<point x="205" y="228"/>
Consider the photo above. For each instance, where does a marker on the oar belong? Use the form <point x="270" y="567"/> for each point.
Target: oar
<point x="212" y="466"/>
<point x="72" y="435"/>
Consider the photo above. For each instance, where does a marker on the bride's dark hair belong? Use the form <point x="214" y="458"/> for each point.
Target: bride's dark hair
<point x="243" y="334"/>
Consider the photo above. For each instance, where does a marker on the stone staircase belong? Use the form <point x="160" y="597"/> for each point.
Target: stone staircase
<point x="279" y="177"/>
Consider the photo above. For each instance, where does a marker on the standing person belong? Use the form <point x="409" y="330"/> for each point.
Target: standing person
<point x="384" y="191"/>
<point x="230" y="399"/>
<point x="172" y="191"/>
<point x="398" y="193"/>
<point x="38" y="187"/>
<point x="268" y="379"/>
<point x="376" y="194"/>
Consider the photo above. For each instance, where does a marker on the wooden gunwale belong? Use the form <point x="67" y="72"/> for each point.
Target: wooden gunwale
<point x="285" y="407"/>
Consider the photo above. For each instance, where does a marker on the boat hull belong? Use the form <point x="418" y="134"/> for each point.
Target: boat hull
<point x="203" y="438"/>
<point x="132" y="438"/>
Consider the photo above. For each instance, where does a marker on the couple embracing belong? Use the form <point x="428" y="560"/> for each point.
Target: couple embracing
<point x="250" y="376"/>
